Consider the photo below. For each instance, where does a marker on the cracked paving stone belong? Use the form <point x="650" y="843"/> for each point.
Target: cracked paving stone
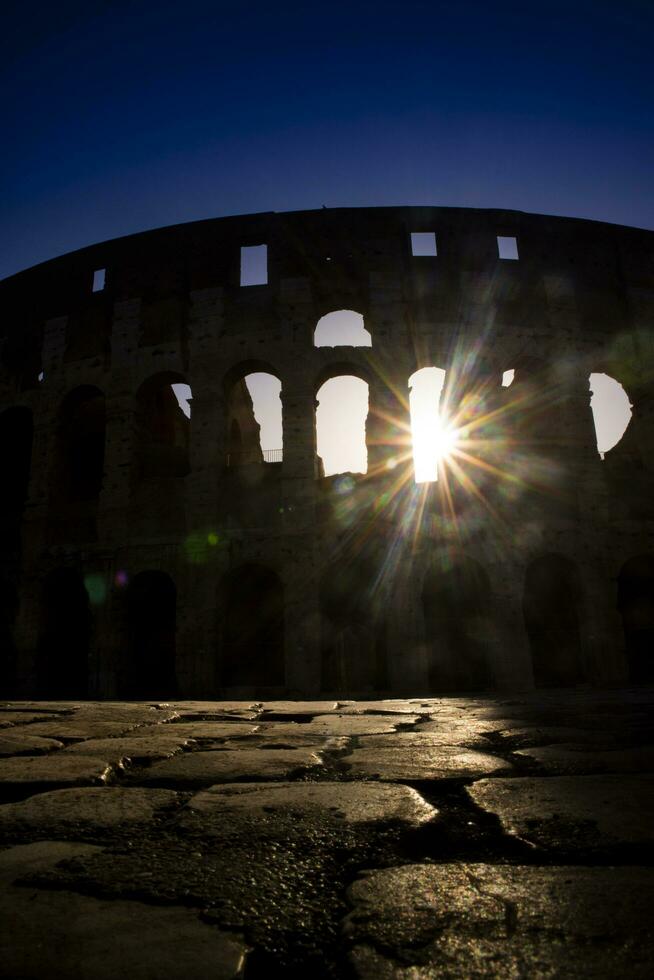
<point x="352" y="802"/>
<point x="206" y="768"/>
<point x="577" y="759"/>
<point x="118" y="750"/>
<point x="25" y="771"/>
<point x="572" y="811"/>
<point x="476" y="920"/>
<point x="211" y="707"/>
<point x="20" y="743"/>
<point x="420" y="740"/>
<point x="437" y="762"/>
<point x="77" y="729"/>
<point x="10" y="719"/>
<point x="268" y="738"/>
<point x="285" y="708"/>
<point x="69" y="936"/>
<point x="337" y="724"/>
<point x="471" y="726"/>
<point x="85" y="808"/>
<point x="390" y="706"/>
<point x="200" y="730"/>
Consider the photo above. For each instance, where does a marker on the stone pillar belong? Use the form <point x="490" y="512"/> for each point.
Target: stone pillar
<point x="202" y="558"/>
<point x="299" y="467"/>
<point x="302" y="616"/>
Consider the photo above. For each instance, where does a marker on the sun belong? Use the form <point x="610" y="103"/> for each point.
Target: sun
<point x="434" y="439"/>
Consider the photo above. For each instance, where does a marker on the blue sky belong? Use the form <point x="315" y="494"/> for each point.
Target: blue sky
<point x="124" y="115"/>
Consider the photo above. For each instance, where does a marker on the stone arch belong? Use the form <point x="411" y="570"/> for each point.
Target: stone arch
<point x="342" y="328"/>
<point x="162" y="429"/>
<point x="552" y="610"/>
<point x="352" y="629"/>
<point x="459" y="630"/>
<point x="8" y="653"/>
<point x="611" y="409"/>
<point x="636" y="606"/>
<point x="80" y="445"/>
<point x="62" y="665"/>
<point x="428" y="428"/>
<point x="151" y="607"/>
<point x="253" y="414"/>
<point x="341" y="419"/>
<point x="253" y="631"/>
<point x="16" y="436"/>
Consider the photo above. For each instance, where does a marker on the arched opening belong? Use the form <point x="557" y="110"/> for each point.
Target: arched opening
<point x="636" y="606"/>
<point x="458" y="626"/>
<point x="611" y="411"/>
<point x="65" y="634"/>
<point x="8" y="610"/>
<point x="342" y="328"/>
<point x="254" y="416"/>
<point x="16" y="431"/>
<point x="341" y="413"/>
<point x="151" y="627"/>
<point x="81" y="441"/>
<point x="253" y="637"/>
<point x="351" y="634"/>
<point x="431" y="437"/>
<point x="551" y="609"/>
<point x="163" y="427"/>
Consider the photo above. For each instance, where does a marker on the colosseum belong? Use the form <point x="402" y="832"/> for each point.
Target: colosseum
<point x="152" y="547"/>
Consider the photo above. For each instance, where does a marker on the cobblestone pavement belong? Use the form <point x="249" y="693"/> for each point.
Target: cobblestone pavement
<point x="444" y="837"/>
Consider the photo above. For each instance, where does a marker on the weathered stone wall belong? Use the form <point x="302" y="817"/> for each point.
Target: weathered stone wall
<point x="579" y="299"/>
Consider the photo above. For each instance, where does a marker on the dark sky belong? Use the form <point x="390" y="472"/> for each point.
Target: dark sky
<point x="125" y="115"/>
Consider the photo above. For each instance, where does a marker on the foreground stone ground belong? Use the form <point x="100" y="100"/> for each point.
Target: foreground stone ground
<point x="454" y="837"/>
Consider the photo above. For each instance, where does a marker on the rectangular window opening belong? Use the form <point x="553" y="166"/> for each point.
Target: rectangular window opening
<point x="98" y="280"/>
<point x="507" y="247"/>
<point x="254" y="265"/>
<point x="423" y="243"/>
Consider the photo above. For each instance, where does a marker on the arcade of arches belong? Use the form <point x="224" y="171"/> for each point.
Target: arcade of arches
<point x="459" y="443"/>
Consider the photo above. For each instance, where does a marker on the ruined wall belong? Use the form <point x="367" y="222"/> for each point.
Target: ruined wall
<point x="137" y="561"/>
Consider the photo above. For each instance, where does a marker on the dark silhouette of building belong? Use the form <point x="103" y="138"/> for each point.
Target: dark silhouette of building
<point x="147" y="554"/>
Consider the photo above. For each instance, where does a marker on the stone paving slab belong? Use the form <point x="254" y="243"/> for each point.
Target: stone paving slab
<point x="347" y="725"/>
<point x="29" y="772"/>
<point x="269" y="738"/>
<point x="85" y="808"/>
<point x="574" y="759"/>
<point x="457" y="723"/>
<point x="9" y="719"/>
<point x="284" y="708"/>
<point x="478" y="920"/>
<point x="572" y="811"/>
<point x="391" y="706"/>
<point x="437" y="762"/>
<point x="420" y="740"/>
<point x="210" y="707"/>
<point x="17" y="742"/>
<point x="68" y="936"/>
<point x="158" y="745"/>
<point x="352" y="802"/>
<point x="77" y="729"/>
<point x="204" y="731"/>
<point x="205" y="768"/>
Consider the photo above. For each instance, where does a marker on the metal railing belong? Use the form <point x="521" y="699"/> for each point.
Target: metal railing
<point x="254" y="456"/>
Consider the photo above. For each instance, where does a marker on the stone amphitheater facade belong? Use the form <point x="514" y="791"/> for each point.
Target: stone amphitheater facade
<point x="144" y="554"/>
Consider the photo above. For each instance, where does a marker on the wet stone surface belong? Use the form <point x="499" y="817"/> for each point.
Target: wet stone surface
<point x="408" y="838"/>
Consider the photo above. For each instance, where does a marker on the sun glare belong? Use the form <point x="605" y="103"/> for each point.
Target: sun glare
<point x="433" y="438"/>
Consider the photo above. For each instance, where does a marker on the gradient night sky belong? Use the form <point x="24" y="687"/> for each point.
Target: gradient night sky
<point x="121" y="116"/>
